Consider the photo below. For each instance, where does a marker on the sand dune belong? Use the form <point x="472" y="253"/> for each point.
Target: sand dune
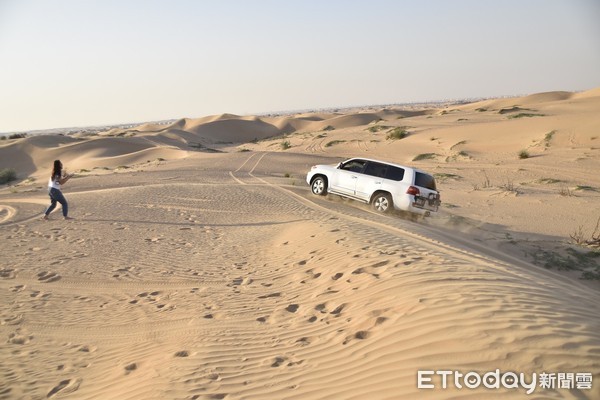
<point x="587" y="94"/>
<point x="544" y="97"/>
<point x="189" y="274"/>
<point x="234" y="130"/>
<point x="34" y="156"/>
<point x="520" y="102"/>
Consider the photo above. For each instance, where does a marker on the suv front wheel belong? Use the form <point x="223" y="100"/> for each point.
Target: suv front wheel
<point x="319" y="186"/>
<point x="382" y="202"/>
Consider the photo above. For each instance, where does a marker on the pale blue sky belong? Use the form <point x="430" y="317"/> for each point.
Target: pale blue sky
<point x="76" y="62"/>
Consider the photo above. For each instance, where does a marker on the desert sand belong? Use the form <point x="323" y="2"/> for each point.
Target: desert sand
<point x="200" y="266"/>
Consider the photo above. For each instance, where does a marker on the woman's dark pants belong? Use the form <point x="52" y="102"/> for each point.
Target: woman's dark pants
<point x="57" y="196"/>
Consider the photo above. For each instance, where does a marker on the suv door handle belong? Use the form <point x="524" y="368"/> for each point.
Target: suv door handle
<point x="354" y="177"/>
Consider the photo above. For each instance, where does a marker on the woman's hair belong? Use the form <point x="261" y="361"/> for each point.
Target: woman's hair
<point x="57" y="169"/>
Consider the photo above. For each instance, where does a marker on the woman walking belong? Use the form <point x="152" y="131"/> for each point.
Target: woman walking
<point x="56" y="179"/>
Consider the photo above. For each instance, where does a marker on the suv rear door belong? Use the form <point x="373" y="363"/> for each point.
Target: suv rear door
<point x="370" y="180"/>
<point x="429" y="196"/>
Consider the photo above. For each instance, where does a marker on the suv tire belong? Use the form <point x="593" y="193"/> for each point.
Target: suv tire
<point x="382" y="203"/>
<point x="319" y="186"/>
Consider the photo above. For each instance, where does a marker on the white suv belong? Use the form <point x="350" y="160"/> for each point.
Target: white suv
<point x="384" y="185"/>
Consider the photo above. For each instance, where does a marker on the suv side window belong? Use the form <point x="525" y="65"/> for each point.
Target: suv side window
<point x="354" y="166"/>
<point x="375" y="169"/>
<point x="394" y="173"/>
<point x="425" y="181"/>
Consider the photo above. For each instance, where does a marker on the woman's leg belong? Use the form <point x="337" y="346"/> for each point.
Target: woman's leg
<point x="61" y="199"/>
<point x="52" y="205"/>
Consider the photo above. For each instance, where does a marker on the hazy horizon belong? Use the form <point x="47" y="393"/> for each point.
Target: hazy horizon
<point x="82" y="63"/>
<point x="266" y="113"/>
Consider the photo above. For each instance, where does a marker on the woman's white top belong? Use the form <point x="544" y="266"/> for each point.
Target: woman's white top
<point x="54" y="182"/>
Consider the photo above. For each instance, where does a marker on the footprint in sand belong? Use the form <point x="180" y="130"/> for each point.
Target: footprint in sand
<point x="19" y="338"/>
<point x="278" y="294"/>
<point x="312" y="275"/>
<point x="85" y="348"/>
<point x="367" y="270"/>
<point x="18" y="288"/>
<point x="283" y="360"/>
<point x="118" y="271"/>
<point x="145" y="294"/>
<point x="83" y="299"/>
<point x="278" y="361"/>
<point x="64" y="387"/>
<point x="214" y="376"/>
<point x="12" y="320"/>
<point x="240" y="265"/>
<point x="292" y="308"/>
<point x="8" y="273"/>
<point x="338" y="310"/>
<point x="216" y="396"/>
<point x="412" y="260"/>
<point x="240" y="281"/>
<point x="48" y="277"/>
<point x="360" y="335"/>
<point x="303" y="341"/>
<point x="380" y="264"/>
<point x="129" y="368"/>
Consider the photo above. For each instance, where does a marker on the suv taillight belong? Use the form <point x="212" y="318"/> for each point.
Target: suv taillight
<point x="413" y="190"/>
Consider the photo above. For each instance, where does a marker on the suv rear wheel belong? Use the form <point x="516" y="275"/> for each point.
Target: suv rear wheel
<point x="319" y="186"/>
<point x="382" y="202"/>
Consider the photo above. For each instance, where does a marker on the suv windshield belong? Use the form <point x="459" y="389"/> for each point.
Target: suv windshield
<point x="425" y="181"/>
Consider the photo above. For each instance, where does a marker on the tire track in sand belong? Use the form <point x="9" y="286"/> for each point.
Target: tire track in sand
<point x="6" y="213"/>
<point x="433" y="238"/>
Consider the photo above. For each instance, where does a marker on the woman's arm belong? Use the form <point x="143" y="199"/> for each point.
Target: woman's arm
<point x="64" y="179"/>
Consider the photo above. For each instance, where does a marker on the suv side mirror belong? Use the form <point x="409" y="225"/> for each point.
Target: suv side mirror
<point x="340" y="165"/>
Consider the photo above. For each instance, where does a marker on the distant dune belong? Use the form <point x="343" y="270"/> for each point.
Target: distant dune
<point x="533" y="99"/>
<point x="587" y="94"/>
<point x="150" y="141"/>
